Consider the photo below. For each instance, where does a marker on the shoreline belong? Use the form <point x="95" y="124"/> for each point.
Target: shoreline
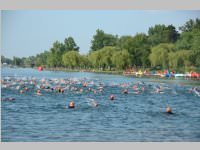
<point x="112" y="72"/>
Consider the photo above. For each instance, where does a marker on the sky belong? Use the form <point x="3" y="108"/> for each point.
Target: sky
<point x="30" y="32"/>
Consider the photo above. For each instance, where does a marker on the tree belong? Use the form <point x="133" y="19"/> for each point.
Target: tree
<point x="140" y="50"/>
<point x="138" y="47"/>
<point x="159" y="55"/>
<point x="70" y="44"/>
<point x="101" y="39"/>
<point x="16" y="61"/>
<point x="190" y="25"/>
<point x="84" y="61"/>
<point x="121" y="59"/>
<point x="3" y="59"/>
<point x="179" y="59"/>
<point x="71" y="59"/>
<point x="185" y="41"/>
<point x="189" y="40"/>
<point x="41" y="59"/>
<point x="55" y="57"/>
<point x="106" y="55"/>
<point x="162" y="34"/>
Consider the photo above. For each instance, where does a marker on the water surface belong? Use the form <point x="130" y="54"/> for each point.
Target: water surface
<point x="130" y="117"/>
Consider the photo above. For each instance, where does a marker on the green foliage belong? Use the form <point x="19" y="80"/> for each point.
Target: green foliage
<point x="5" y="60"/>
<point x="121" y="59"/>
<point x="101" y="39"/>
<point x="179" y="59"/>
<point x="163" y="46"/>
<point x="71" y="59"/>
<point x="138" y="47"/>
<point x="185" y="41"/>
<point x="190" y="25"/>
<point x="55" y="56"/>
<point x="17" y="61"/>
<point x="70" y="44"/>
<point x="41" y="59"/>
<point x="162" y="34"/>
<point x="159" y="55"/>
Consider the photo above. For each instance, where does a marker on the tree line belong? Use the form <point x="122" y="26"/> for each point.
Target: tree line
<point x="163" y="46"/>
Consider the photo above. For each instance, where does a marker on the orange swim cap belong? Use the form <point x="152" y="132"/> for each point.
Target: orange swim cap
<point x="168" y="109"/>
<point x="71" y="104"/>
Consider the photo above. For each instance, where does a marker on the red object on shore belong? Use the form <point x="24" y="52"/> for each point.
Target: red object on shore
<point x="195" y="75"/>
<point x="40" y="68"/>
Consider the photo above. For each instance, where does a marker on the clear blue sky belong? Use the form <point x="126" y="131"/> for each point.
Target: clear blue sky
<point x="29" y="32"/>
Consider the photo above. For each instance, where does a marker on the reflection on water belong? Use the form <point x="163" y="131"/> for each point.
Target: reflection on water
<point x="136" y="116"/>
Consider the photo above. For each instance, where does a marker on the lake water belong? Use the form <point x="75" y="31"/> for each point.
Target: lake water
<point x="136" y="116"/>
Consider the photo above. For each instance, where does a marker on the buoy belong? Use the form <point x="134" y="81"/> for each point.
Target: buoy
<point x="40" y="68"/>
<point x="112" y="97"/>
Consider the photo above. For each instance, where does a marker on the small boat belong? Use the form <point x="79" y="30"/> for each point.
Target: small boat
<point x="139" y="73"/>
<point x="180" y="75"/>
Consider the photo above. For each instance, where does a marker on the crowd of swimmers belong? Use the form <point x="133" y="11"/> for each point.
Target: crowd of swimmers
<point x="81" y="86"/>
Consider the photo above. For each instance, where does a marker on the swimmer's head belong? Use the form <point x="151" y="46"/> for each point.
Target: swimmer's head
<point x="71" y="104"/>
<point x="125" y="91"/>
<point x="168" y="109"/>
<point x="112" y="97"/>
<point x="21" y="91"/>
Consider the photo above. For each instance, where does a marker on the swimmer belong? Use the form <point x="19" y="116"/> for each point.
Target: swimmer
<point x="92" y="102"/>
<point x="81" y="90"/>
<point x="71" y="105"/>
<point x="125" y="91"/>
<point x="26" y="89"/>
<point x="137" y="92"/>
<point x="143" y="89"/>
<point x="112" y="97"/>
<point x="21" y="91"/>
<point x="169" y="110"/>
<point x="39" y="93"/>
<point x="100" y="90"/>
<point x="135" y="87"/>
<point x="8" y="99"/>
<point x="84" y="84"/>
<point x="196" y="91"/>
